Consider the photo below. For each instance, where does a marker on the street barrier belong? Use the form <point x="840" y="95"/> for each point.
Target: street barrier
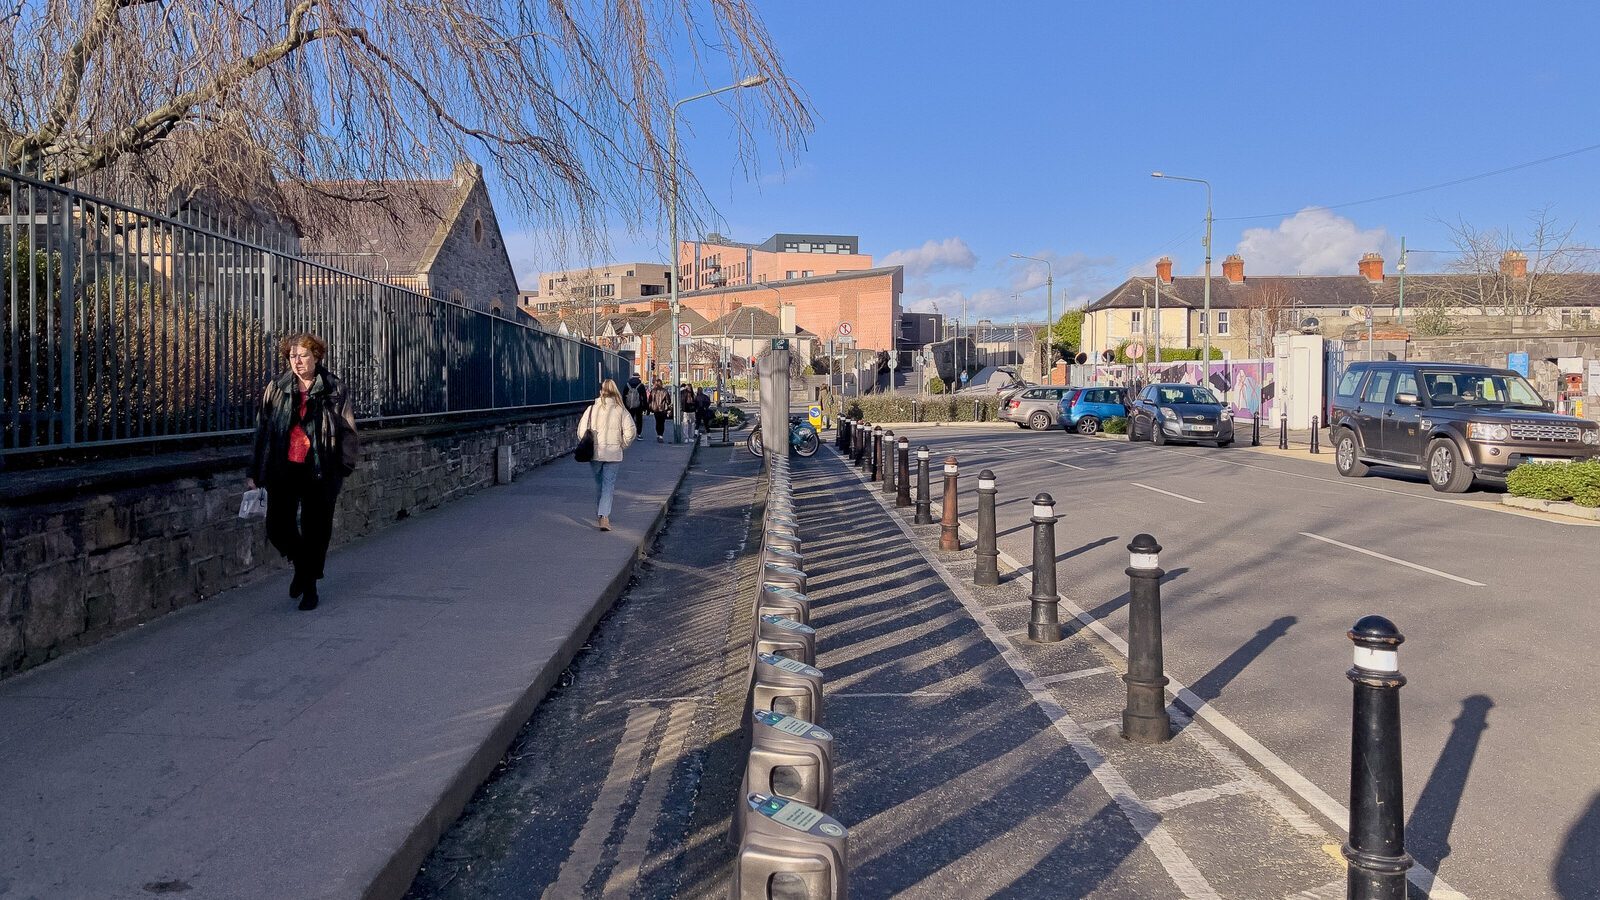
<point x="1044" y="622"/>
<point x="924" y="514"/>
<point x="887" y="463"/>
<point x="1145" y="719"/>
<point x="988" y="553"/>
<point x="1316" y="447"/>
<point x="949" y="524"/>
<point x="860" y="445"/>
<point x="781" y="636"/>
<point x="902" y="478"/>
<point x="789" y="850"/>
<point x="788" y="686"/>
<point x="873" y="453"/>
<point x="1376" y="850"/>
<point x="1283" y="432"/>
<point x="1255" y="429"/>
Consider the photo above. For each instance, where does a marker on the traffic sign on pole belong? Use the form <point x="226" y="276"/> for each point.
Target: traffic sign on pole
<point x="844" y="329"/>
<point x="684" y="329"/>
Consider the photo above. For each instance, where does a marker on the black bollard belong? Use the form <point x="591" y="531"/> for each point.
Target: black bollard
<point x="1255" y="429"/>
<point x="949" y="525"/>
<point x="1283" y="432"/>
<point x="1316" y="446"/>
<point x="902" y="475"/>
<point x="888" y="462"/>
<point x="873" y="453"/>
<point x="924" y="514"/>
<point x="988" y="554"/>
<point x="1377" y="847"/>
<point x="1145" y="719"/>
<point x="839" y="435"/>
<point x="863" y="434"/>
<point x="1044" y="622"/>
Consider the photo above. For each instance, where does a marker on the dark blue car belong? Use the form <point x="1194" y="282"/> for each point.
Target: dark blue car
<point x="1085" y="409"/>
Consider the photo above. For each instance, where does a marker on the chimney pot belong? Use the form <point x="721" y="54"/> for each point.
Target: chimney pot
<point x="1233" y="268"/>
<point x="1514" y="264"/>
<point x="1371" y="267"/>
<point x="1164" y="270"/>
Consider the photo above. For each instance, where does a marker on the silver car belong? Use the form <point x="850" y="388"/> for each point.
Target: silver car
<point x="1035" y="407"/>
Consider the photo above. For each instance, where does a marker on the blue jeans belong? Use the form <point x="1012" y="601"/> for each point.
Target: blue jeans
<point x="605" y="484"/>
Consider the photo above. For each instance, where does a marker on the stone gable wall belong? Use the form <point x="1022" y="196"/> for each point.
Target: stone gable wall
<point x="78" y="565"/>
<point x="475" y="272"/>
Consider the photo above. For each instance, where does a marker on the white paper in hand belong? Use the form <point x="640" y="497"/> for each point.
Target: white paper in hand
<point x="254" y="504"/>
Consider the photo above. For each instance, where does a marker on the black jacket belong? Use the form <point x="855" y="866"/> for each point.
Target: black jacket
<point x="330" y="423"/>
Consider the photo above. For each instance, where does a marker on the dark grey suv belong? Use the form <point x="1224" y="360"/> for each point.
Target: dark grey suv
<point x="1453" y="422"/>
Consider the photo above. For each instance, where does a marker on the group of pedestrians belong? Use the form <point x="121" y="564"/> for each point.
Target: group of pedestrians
<point x="657" y="400"/>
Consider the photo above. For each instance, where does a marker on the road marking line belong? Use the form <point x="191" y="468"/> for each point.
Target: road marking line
<point x="1102" y="725"/>
<point x="1179" y="867"/>
<point x="586" y="852"/>
<point x="1200" y="795"/>
<point x="1316" y="797"/>
<point x="632" y="854"/>
<point x="889" y="694"/>
<point x="1074" y="676"/>
<point x="686" y="699"/>
<point x="1168" y="493"/>
<point x="1297" y="818"/>
<point x="1399" y="562"/>
<point x="1065" y="465"/>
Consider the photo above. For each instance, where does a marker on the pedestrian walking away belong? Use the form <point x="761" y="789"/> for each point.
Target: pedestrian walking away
<point x="685" y="403"/>
<point x="305" y="446"/>
<point x="613" y="431"/>
<point x="660" y="404"/>
<point x="633" y="397"/>
<point x="702" y="411"/>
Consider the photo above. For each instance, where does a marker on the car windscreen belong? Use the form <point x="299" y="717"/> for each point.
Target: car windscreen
<point x="1185" y="393"/>
<point x="1479" y="389"/>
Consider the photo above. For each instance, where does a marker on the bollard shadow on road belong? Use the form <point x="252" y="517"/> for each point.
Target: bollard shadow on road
<point x="1121" y="600"/>
<point x="1210" y="685"/>
<point x="1433" y="816"/>
<point x="1027" y="571"/>
<point x="1577" y="870"/>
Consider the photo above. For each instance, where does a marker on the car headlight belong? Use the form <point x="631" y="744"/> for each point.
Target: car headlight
<point x="1591" y="436"/>
<point x="1485" y="431"/>
<point x="1168" y="414"/>
<point x="1225" y="415"/>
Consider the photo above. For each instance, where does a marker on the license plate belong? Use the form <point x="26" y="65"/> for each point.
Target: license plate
<point x="1544" y="460"/>
<point x="1200" y="428"/>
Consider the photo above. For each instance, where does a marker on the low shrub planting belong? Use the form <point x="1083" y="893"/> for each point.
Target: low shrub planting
<point x="1115" y="425"/>
<point x="886" y="408"/>
<point x="1575" y="481"/>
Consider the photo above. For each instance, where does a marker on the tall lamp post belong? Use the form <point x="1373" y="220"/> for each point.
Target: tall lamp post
<point x="1205" y="315"/>
<point x="672" y="217"/>
<point x="1049" y="314"/>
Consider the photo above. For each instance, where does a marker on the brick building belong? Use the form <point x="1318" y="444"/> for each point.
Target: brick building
<point x="718" y="262"/>
<point x="868" y="299"/>
<point x="440" y="238"/>
<point x="607" y="284"/>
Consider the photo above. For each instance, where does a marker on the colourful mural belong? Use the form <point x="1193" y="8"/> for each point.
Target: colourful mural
<point x="1247" y="384"/>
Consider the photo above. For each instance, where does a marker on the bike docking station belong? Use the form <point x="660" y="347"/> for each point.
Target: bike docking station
<point x="788" y="845"/>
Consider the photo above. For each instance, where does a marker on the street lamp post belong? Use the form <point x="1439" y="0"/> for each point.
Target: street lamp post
<point x="1205" y="315"/>
<point x="1049" y="362"/>
<point x="672" y="216"/>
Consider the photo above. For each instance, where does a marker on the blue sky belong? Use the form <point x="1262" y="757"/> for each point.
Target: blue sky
<point x="950" y="135"/>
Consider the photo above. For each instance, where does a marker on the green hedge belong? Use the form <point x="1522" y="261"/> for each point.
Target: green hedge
<point x="1115" y="425"/>
<point x="1578" y="482"/>
<point x="1168" y="354"/>
<point x="886" y="408"/>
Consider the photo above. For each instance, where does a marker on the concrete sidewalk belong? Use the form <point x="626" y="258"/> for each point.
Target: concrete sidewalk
<point x="244" y="749"/>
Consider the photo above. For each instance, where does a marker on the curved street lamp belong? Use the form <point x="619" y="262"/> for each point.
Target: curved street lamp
<point x="1205" y="317"/>
<point x="1049" y="361"/>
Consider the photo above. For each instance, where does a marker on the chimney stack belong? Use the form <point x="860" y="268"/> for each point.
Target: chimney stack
<point x="1233" y="268"/>
<point x="1371" y="266"/>
<point x="1514" y="264"/>
<point x="1164" y="270"/>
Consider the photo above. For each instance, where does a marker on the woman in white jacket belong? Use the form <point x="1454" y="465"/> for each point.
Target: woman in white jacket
<point x="613" y="430"/>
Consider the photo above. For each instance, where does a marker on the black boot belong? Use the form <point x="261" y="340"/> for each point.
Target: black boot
<point x="297" y="585"/>
<point x="310" y="599"/>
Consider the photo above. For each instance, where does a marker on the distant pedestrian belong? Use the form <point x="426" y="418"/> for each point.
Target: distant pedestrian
<point x="685" y="403"/>
<point x="633" y="397"/>
<point x="660" y="404"/>
<point x="305" y="446"/>
<point x="702" y="410"/>
<point x="613" y="431"/>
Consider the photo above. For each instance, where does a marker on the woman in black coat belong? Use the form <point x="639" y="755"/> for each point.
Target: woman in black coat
<point x="305" y="445"/>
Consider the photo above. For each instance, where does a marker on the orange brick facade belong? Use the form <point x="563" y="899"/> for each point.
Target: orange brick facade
<point x="868" y="300"/>
<point x="726" y="265"/>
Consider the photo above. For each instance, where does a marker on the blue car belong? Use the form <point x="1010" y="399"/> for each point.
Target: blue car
<point x="1084" y="409"/>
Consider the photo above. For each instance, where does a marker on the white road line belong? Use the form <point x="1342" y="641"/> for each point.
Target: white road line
<point x="631" y="856"/>
<point x="907" y="694"/>
<point x="587" y="849"/>
<point x="685" y="699"/>
<point x="1200" y="795"/>
<point x="1074" y="676"/>
<point x="1102" y="725"/>
<point x="1179" y="867"/>
<point x="1065" y="465"/>
<point x="1399" y="562"/>
<point x="1168" y="493"/>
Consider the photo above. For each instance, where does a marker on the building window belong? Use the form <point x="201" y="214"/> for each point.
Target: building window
<point x="630" y="273"/>
<point x="807" y="273"/>
<point x="1203" y="324"/>
<point x="791" y="247"/>
<point x="1136" y="320"/>
<point x="1222" y="321"/>
<point x="789" y="274"/>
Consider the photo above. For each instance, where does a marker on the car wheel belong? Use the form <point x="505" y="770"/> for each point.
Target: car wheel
<point x="1039" y="421"/>
<point x="1022" y="424"/>
<point x="1446" y="472"/>
<point x="1224" y="443"/>
<point x="1088" y="425"/>
<point x="1345" y="458"/>
<point x="1157" y="436"/>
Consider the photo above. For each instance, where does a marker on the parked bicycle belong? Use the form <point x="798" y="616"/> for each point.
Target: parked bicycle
<point x="803" y="438"/>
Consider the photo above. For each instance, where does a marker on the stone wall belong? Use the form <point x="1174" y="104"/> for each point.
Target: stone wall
<point x="1486" y="350"/>
<point x="89" y="551"/>
<point x="472" y="265"/>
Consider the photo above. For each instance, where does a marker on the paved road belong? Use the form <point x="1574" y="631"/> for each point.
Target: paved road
<point x="1273" y="557"/>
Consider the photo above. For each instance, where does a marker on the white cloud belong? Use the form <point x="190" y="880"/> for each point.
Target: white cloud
<point x="1313" y="241"/>
<point x="950" y="253"/>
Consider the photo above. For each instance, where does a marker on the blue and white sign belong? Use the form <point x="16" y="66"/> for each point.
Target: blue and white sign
<point x="1518" y="363"/>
